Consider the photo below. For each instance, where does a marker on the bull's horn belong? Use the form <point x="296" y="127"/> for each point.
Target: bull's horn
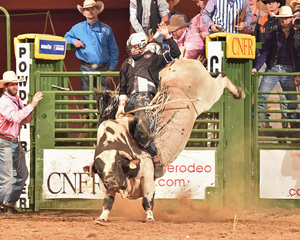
<point x="125" y="154"/>
<point x="91" y="173"/>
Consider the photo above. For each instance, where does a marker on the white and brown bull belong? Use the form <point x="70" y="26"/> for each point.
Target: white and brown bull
<point x="123" y="166"/>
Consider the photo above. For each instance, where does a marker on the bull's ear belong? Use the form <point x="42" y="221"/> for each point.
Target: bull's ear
<point x="134" y="162"/>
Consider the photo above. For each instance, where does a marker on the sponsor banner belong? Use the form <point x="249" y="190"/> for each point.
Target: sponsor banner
<point x="23" y="62"/>
<point x="64" y="176"/>
<point x="52" y="47"/>
<point x="280" y="174"/>
<point x="187" y="176"/>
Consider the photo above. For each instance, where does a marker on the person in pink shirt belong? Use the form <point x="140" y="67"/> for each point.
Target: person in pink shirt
<point x="183" y="36"/>
<point x="198" y="25"/>
<point x="13" y="170"/>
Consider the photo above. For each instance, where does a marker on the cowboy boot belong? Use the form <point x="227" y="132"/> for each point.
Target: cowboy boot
<point x="158" y="167"/>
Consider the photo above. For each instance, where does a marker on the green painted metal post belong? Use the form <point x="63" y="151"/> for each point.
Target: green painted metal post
<point x="7" y="37"/>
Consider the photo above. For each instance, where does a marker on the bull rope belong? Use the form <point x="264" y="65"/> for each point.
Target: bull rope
<point x="168" y="102"/>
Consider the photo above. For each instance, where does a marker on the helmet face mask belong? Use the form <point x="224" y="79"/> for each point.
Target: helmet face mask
<point x="137" y="39"/>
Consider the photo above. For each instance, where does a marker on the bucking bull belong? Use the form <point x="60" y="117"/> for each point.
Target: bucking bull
<point x="121" y="163"/>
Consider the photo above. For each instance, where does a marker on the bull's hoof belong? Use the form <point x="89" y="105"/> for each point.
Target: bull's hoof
<point x="240" y="94"/>
<point x="150" y="219"/>
<point x="149" y="215"/>
<point x="100" y="221"/>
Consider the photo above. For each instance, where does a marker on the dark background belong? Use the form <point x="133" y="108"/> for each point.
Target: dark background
<point x="30" y="17"/>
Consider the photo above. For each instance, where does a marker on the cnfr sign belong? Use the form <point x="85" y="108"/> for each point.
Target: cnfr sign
<point x="240" y="46"/>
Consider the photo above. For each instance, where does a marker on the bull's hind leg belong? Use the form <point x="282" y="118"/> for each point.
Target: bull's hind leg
<point x="237" y="92"/>
<point x="108" y="202"/>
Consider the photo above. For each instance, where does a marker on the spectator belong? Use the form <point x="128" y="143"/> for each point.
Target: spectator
<point x="280" y="55"/>
<point x="223" y="15"/>
<point x="183" y="36"/>
<point x="268" y="23"/>
<point x="256" y="15"/>
<point x="139" y="80"/>
<point x="265" y="25"/>
<point x="95" y="44"/>
<point x="295" y="5"/>
<point x="172" y="12"/>
<point x="13" y="169"/>
<point x="146" y="14"/>
<point x="198" y="25"/>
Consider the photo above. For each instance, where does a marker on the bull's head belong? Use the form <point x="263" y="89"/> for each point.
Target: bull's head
<point x="113" y="167"/>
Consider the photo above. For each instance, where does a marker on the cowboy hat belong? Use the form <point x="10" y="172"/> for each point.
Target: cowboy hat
<point x="293" y="3"/>
<point x="91" y="3"/>
<point x="10" y="77"/>
<point x="282" y="2"/>
<point x="177" y="22"/>
<point x="285" y="11"/>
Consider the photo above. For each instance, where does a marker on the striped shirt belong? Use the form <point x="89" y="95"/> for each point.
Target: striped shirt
<point x="225" y="13"/>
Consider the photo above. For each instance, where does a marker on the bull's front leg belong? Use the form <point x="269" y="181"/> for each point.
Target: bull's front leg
<point x="108" y="202"/>
<point x="148" y="198"/>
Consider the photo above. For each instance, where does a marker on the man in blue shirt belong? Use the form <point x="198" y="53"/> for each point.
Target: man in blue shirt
<point x="95" y="44"/>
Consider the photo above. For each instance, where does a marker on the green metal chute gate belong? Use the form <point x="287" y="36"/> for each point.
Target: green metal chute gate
<point x="59" y="119"/>
<point x="275" y="137"/>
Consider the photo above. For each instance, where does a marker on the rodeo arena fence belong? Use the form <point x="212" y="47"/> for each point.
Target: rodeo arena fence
<point x="228" y="159"/>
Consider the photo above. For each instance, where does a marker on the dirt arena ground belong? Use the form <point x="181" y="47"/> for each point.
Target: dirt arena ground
<point x="184" y="220"/>
<point x="187" y="220"/>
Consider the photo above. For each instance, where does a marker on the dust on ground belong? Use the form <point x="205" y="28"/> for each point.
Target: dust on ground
<point x="177" y="219"/>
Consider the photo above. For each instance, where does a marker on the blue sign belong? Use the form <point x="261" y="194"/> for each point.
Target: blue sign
<point x="52" y="47"/>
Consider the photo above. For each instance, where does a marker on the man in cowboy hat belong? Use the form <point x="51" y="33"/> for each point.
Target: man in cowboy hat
<point x="172" y="12"/>
<point x="280" y="55"/>
<point x="183" y="36"/>
<point x="295" y="5"/>
<point x="13" y="170"/>
<point x="268" y="23"/>
<point x="95" y="44"/>
<point x="223" y="15"/>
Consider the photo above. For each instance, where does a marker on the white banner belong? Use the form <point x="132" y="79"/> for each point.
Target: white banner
<point x="23" y="62"/>
<point x="188" y="176"/>
<point x="280" y="174"/>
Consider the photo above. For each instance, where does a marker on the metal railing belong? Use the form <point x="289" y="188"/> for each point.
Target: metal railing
<point x="7" y="37"/>
<point x="276" y="132"/>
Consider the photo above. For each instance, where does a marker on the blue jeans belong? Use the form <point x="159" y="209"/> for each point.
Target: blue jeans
<point x="136" y="101"/>
<point x="13" y="172"/>
<point x="283" y="106"/>
<point x="287" y="83"/>
<point x="85" y="83"/>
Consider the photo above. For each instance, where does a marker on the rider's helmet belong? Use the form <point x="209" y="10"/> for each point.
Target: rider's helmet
<point x="139" y="39"/>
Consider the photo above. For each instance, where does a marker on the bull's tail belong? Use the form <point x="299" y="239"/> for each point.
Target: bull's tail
<point x="107" y="104"/>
